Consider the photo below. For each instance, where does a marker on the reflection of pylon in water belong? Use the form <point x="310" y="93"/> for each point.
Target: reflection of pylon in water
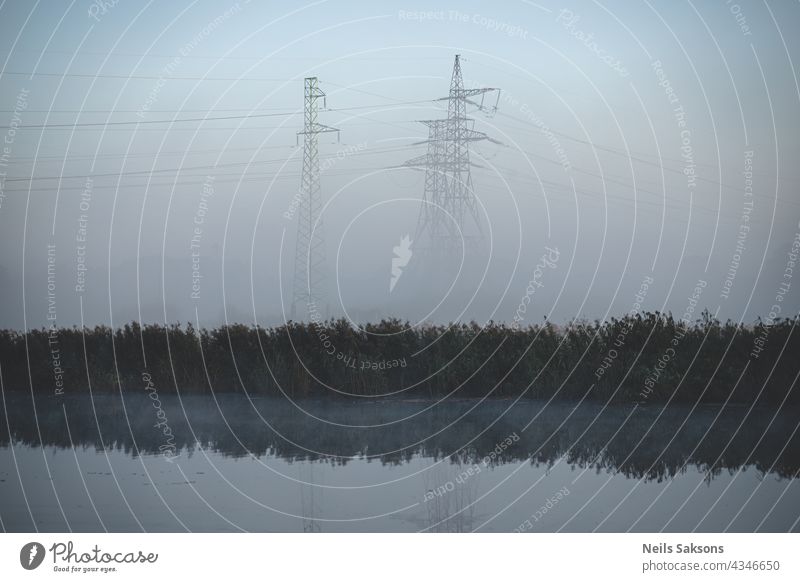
<point x="449" y="217"/>
<point x="309" y="261"/>
<point x="308" y="498"/>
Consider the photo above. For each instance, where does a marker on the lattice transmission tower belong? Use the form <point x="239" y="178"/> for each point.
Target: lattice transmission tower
<point x="309" y="261"/>
<point x="449" y="216"/>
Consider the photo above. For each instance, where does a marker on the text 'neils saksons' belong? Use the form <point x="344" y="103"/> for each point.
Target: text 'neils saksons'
<point x="663" y="548"/>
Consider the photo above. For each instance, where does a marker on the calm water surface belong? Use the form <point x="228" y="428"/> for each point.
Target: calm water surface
<point x="86" y="464"/>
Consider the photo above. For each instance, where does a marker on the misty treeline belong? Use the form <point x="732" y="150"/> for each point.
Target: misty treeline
<point x="651" y="357"/>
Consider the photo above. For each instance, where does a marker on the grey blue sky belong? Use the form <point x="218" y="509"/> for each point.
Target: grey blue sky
<point x="626" y="131"/>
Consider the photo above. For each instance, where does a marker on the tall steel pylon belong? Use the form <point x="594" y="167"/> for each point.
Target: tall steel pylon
<point x="449" y="211"/>
<point x="309" y="261"/>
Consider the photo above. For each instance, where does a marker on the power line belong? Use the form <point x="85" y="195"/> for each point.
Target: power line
<point x="164" y="154"/>
<point x="661" y="166"/>
<point x="204" y="119"/>
<point x="117" y="125"/>
<point x="192" y="168"/>
<point x="98" y="111"/>
<point x="171" y="129"/>
<point x="237" y="177"/>
<point x="146" y="77"/>
<point x="358" y="57"/>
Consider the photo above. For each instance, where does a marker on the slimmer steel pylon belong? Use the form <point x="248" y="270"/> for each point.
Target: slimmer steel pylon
<point x="309" y="261"/>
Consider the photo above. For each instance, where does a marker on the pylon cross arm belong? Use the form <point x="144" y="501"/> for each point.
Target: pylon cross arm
<point x="416" y="162"/>
<point x="317" y="128"/>
<point x="466" y="93"/>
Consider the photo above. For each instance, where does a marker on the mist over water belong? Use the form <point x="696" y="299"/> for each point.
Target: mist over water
<point x="400" y="465"/>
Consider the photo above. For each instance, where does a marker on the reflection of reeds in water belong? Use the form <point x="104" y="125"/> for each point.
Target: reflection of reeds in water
<point x="449" y="509"/>
<point x="646" y="442"/>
